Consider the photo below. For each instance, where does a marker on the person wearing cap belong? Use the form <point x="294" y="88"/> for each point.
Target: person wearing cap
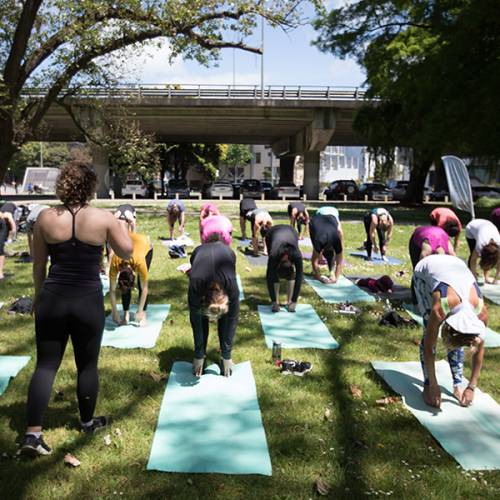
<point x="447" y="219"/>
<point x="176" y="213"/>
<point x="299" y="215"/>
<point x="449" y="300"/>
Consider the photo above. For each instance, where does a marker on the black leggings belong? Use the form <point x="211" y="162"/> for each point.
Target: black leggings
<point x="415" y="252"/>
<point x="381" y="236"/>
<point x="58" y="316"/>
<point x="4" y="233"/>
<point x="127" y="296"/>
<point x="226" y="328"/>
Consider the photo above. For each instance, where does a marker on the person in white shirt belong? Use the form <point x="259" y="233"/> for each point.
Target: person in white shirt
<point x="484" y="244"/>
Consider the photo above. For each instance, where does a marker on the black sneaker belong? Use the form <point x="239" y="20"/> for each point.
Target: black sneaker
<point x="97" y="424"/>
<point x="301" y="368"/>
<point x="33" y="446"/>
<point x="288" y="366"/>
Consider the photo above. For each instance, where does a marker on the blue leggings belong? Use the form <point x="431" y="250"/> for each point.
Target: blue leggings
<point x="455" y="360"/>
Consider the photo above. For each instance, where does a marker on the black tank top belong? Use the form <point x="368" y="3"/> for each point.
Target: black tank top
<point x="74" y="263"/>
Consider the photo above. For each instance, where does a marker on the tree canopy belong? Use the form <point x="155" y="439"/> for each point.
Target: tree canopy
<point x="62" y="45"/>
<point x="435" y="68"/>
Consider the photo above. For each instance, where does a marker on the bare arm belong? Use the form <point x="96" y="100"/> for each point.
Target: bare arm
<point x="391" y="228"/>
<point x="451" y="249"/>
<point x="118" y="238"/>
<point x="12" y="224"/>
<point x="182" y="222"/>
<point x="473" y="262"/>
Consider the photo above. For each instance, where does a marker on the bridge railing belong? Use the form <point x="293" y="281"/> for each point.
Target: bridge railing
<point x="255" y="92"/>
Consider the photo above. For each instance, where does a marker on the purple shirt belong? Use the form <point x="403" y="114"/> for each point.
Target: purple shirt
<point x="435" y="236"/>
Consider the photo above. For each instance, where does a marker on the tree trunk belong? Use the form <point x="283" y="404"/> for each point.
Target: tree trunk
<point x="415" y="191"/>
<point x="7" y="151"/>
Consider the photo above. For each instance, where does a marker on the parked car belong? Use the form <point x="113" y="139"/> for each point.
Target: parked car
<point x="179" y="187"/>
<point x="219" y="188"/>
<point x="266" y="188"/>
<point x="134" y="186"/>
<point x="236" y="189"/>
<point x="337" y="189"/>
<point x="398" y="189"/>
<point x="439" y="195"/>
<point x="250" y="188"/>
<point x="488" y="191"/>
<point x="374" y="191"/>
<point x="286" y="189"/>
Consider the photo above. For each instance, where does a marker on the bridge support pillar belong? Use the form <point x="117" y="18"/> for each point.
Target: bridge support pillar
<point x="286" y="169"/>
<point x="100" y="162"/>
<point x="311" y="175"/>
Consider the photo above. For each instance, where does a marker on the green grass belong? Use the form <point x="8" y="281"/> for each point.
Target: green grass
<point x="362" y="450"/>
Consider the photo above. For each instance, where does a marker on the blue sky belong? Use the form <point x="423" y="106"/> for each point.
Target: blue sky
<point x="289" y="59"/>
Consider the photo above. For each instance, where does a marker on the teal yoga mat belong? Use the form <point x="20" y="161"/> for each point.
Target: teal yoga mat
<point x="10" y="366"/>
<point x="130" y="336"/>
<point x="470" y="435"/>
<point x="492" y="338"/>
<point x="240" y="288"/>
<point x="377" y="259"/>
<point x="301" y="329"/>
<point x="491" y="292"/>
<point x="342" y="291"/>
<point x="210" y="424"/>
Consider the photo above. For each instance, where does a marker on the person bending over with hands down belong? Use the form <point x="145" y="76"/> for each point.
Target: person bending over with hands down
<point x="261" y="223"/>
<point x="207" y="210"/>
<point x="447" y="219"/>
<point x="122" y="274"/>
<point x="11" y="212"/>
<point x="176" y="212"/>
<point x="327" y="242"/>
<point x="247" y="205"/>
<point x="285" y="262"/>
<point x="213" y="296"/>
<point x="299" y="216"/>
<point x="6" y="224"/>
<point x="68" y="301"/>
<point x="449" y="299"/>
<point x="484" y="245"/>
<point x="378" y="222"/>
<point x="429" y="240"/>
<point x="216" y="228"/>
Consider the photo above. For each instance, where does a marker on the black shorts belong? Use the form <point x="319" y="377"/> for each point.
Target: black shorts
<point x="4" y="233"/>
<point x="247" y="205"/>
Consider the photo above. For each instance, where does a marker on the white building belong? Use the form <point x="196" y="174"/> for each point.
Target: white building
<point x="264" y="165"/>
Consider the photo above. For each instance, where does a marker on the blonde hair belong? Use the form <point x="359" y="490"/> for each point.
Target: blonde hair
<point x="216" y="302"/>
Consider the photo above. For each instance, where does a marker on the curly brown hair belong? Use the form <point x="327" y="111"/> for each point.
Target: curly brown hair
<point x="490" y="254"/>
<point x="76" y="183"/>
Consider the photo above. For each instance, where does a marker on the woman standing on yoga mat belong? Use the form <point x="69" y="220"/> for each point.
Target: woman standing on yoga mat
<point x="449" y="299"/>
<point x="247" y="205"/>
<point x="284" y="255"/>
<point x="176" y="213"/>
<point x="123" y="272"/>
<point x="213" y="296"/>
<point x="447" y="219"/>
<point x="428" y="240"/>
<point x="216" y="228"/>
<point x="69" y="301"/>
<point x="299" y="215"/>
<point x="484" y="244"/>
<point x="378" y="222"/>
<point x="327" y="242"/>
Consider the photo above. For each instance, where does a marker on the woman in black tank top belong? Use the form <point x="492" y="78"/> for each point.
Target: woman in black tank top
<point x="69" y="301"/>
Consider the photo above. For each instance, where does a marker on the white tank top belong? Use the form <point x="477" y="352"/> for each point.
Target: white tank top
<point x="483" y="231"/>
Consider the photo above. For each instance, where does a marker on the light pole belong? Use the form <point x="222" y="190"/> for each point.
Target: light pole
<point x="262" y="60"/>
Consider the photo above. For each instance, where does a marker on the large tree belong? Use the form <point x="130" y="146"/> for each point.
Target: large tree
<point x="435" y="68"/>
<point x="63" y="44"/>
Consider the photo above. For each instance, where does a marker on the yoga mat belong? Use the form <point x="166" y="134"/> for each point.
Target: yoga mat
<point x="301" y="329"/>
<point x="130" y="336"/>
<point x="1" y="305"/>
<point x="470" y="435"/>
<point x="10" y="366"/>
<point x="377" y="259"/>
<point x="240" y="288"/>
<point x="210" y="424"/>
<point x="491" y="292"/>
<point x="261" y="260"/>
<point x="399" y="292"/>
<point x="186" y="241"/>
<point x="342" y="291"/>
<point x="306" y="242"/>
<point x="492" y="338"/>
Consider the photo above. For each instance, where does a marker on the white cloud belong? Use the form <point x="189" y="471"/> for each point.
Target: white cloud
<point x="345" y="72"/>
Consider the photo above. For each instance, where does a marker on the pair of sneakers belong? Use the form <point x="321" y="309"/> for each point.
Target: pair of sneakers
<point x="33" y="446"/>
<point x="291" y="366"/>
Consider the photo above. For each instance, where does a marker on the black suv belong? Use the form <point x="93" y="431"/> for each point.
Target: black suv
<point x="250" y="188"/>
<point x="337" y="189"/>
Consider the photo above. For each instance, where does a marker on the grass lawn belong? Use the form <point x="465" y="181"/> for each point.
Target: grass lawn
<point x="360" y="450"/>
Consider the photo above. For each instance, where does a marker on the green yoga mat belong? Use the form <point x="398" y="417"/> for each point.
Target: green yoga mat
<point x="130" y="336"/>
<point x="470" y="435"/>
<point x="210" y="424"/>
<point x="240" y="288"/>
<point x="342" y="291"/>
<point x="492" y="338"/>
<point x="10" y="366"/>
<point x="301" y="329"/>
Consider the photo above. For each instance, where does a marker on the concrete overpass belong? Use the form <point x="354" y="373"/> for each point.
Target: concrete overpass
<point x="292" y="120"/>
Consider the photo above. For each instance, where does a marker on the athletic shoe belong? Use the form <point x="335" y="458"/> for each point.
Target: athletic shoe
<point x="97" y="424"/>
<point x="301" y="368"/>
<point x="33" y="446"/>
<point x="288" y="366"/>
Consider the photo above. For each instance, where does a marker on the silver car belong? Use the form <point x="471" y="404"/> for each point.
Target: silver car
<point x="222" y="189"/>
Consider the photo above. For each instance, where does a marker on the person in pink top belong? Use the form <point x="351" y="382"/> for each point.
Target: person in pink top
<point x="447" y="219"/>
<point x="207" y="210"/>
<point x="216" y="228"/>
<point x="429" y="240"/>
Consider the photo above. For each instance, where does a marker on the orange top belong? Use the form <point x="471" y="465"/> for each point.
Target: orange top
<point x="138" y="261"/>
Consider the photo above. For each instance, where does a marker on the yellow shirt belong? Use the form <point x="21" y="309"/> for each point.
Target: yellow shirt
<point x="138" y="261"/>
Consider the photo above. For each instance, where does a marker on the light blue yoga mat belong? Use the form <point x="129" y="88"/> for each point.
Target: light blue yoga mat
<point x="301" y="329"/>
<point x="492" y="338"/>
<point x="491" y="292"/>
<point x="130" y="336"/>
<point x="342" y="291"/>
<point x="240" y="288"/>
<point x="210" y="424"/>
<point x="377" y="259"/>
<point x="470" y="435"/>
<point x="10" y="366"/>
